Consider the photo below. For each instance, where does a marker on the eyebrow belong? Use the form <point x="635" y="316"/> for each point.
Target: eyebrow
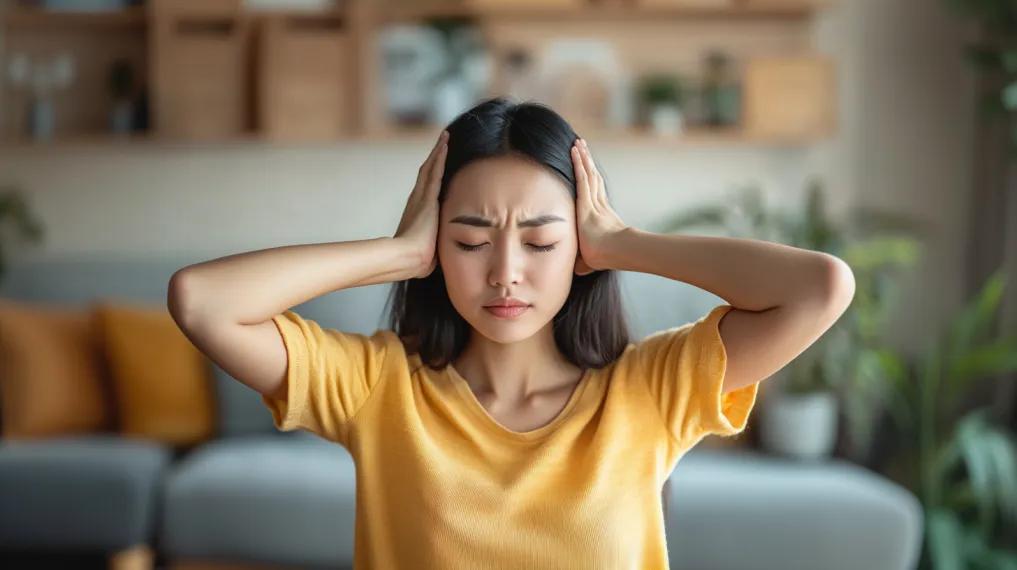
<point x="482" y="222"/>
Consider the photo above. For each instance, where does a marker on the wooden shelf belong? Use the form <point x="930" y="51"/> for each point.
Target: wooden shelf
<point x="39" y="19"/>
<point x="781" y="30"/>
<point x="795" y="10"/>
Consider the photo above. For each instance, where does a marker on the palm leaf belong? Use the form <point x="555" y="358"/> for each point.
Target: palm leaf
<point x="996" y="358"/>
<point x="945" y="540"/>
<point x="975" y="320"/>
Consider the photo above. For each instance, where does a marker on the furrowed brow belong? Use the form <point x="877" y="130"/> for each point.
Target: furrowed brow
<point x="482" y="222"/>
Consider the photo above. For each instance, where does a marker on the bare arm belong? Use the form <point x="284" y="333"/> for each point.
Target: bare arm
<point x="225" y="306"/>
<point x="784" y="297"/>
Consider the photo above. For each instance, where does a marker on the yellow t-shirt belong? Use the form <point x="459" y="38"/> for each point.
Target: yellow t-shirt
<point x="441" y="484"/>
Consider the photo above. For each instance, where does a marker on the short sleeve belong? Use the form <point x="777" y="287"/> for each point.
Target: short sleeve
<point x="329" y="375"/>
<point x="684" y="370"/>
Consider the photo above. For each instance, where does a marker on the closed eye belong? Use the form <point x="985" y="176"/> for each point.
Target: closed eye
<point x="469" y="247"/>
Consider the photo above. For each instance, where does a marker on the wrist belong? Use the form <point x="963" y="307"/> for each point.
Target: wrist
<point x="414" y="263"/>
<point x="614" y="255"/>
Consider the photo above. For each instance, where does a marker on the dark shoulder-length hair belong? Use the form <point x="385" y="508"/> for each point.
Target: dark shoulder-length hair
<point x="590" y="330"/>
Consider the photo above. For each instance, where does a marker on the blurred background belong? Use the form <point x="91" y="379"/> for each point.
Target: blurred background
<point x="140" y="137"/>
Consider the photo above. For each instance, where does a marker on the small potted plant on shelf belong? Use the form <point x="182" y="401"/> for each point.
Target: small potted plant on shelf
<point x="662" y="96"/>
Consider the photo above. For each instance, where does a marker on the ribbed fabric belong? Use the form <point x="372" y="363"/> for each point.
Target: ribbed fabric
<point x="441" y="484"/>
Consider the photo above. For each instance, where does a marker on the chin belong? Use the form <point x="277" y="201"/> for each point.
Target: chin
<point x="506" y="330"/>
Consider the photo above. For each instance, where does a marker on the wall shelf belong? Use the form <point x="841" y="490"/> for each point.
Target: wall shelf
<point x="788" y="10"/>
<point x="746" y="27"/>
<point x="36" y="19"/>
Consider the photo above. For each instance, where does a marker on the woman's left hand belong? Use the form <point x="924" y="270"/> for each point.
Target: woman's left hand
<point x="596" y="222"/>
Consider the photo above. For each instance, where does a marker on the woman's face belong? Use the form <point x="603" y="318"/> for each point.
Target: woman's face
<point x="488" y="204"/>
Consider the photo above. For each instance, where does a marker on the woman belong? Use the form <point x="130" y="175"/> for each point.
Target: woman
<point x="531" y="436"/>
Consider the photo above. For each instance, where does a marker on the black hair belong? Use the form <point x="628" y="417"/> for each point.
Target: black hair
<point x="590" y="330"/>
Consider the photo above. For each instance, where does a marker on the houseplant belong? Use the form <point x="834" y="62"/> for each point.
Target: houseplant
<point x="14" y="210"/>
<point x="962" y="468"/>
<point x="662" y="95"/>
<point x="877" y="245"/>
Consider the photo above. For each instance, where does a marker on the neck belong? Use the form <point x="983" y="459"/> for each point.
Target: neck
<point x="515" y="371"/>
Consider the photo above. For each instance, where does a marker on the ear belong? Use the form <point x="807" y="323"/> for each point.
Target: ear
<point x="581" y="268"/>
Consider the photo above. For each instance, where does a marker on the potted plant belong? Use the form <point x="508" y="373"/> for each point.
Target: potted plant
<point x="801" y="416"/>
<point x="14" y="208"/>
<point x="962" y="468"/>
<point x="662" y="95"/>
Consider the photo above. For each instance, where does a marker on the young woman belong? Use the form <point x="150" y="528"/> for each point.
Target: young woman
<point x="505" y="420"/>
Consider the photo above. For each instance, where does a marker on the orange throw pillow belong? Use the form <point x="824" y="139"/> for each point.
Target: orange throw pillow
<point x="51" y="377"/>
<point x="162" y="381"/>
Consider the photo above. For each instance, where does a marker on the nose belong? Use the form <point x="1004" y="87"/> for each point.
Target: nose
<point x="506" y="262"/>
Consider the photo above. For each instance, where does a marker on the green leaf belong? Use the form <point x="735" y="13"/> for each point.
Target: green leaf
<point x="975" y="319"/>
<point x="1009" y="95"/>
<point x="997" y="358"/>
<point x="1000" y="559"/>
<point x="945" y="540"/>
<point x="979" y="464"/>
<point x="1008" y="58"/>
<point x="1001" y="448"/>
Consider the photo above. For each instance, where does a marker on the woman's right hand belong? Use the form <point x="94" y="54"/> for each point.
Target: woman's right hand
<point x="419" y="223"/>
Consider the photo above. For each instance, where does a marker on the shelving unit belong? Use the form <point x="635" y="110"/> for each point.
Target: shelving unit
<point x="648" y="36"/>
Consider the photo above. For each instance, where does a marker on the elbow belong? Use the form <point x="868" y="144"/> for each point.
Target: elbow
<point x="838" y="284"/>
<point x="179" y="297"/>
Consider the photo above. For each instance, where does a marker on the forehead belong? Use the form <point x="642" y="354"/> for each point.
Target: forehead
<point x="506" y="186"/>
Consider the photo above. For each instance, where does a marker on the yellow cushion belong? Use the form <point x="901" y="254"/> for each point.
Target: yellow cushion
<point x="162" y="382"/>
<point x="51" y="377"/>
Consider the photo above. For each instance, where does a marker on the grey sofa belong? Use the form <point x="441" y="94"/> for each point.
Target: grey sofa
<point x="256" y="495"/>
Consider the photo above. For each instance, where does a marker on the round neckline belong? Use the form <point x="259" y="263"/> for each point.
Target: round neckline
<point x="471" y="401"/>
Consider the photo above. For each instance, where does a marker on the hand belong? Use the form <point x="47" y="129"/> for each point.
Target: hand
<point x="419" y="224"/>
<point x="596" y="222"/>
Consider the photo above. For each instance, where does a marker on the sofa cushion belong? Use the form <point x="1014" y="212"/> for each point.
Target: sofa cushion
<point x="89" y="493"/>
<point x="788" y="514"/>
<point x="284" y="500"/>
<point x="51" y="377"/>
<point x="162" y="382"/>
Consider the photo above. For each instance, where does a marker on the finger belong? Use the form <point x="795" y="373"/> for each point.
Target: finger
<point x="591" y="174"/>
<point x="582" y="187"/>
<point x="437" y="172"/>
<point x="598" y="188"/>
<point x="425" y="169"/>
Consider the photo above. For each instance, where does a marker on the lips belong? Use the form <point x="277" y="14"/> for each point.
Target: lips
<point x="508" y="312"/>
<point x="508" y="302"/>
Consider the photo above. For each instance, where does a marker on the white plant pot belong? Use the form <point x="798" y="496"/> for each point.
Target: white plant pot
<point x="803" y="426"/>
<point x="666" y="120"/>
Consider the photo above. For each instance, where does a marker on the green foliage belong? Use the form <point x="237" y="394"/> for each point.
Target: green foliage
<point x="661" y="88"/>
<point x="965" y="470"/>
<point x="14" y="208"/>
<point x="995" y="55"/>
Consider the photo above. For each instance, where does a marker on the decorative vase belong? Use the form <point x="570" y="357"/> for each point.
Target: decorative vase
<point x="121" y="119"/>
<point x="666" y="119"/>
<point x="803" y="426"/>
